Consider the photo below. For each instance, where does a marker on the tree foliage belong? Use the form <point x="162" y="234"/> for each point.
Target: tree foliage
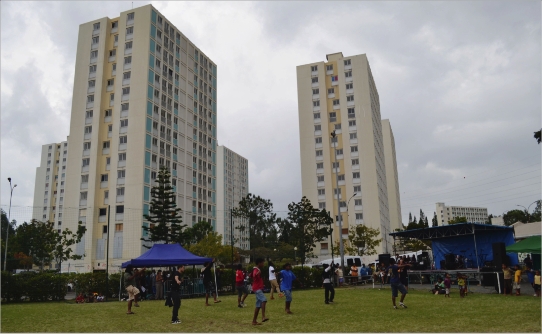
<point x="362" y="240"/>
<point x="537" y="136"/>
<point x="198" y="231"/>
<point x="457" y="220"/>
<point x="63" y="242"/>
<point x="434" y="221"/>
<point x="308" y="226"/>
<point x="164" y="216"/>
<point x="211" y="246"/>
<point x="259" y="213"/>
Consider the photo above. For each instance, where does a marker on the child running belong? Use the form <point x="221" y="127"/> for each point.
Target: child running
<point x="240" y="285"/>
<point x="257" y="287"/>
<point x="286" y="285"/>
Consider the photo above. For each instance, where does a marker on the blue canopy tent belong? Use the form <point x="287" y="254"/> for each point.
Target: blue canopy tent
<point x="164" y="255"/>
<point x="473" y="241"/>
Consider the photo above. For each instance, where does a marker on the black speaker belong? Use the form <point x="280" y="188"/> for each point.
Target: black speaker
<point x="357" y="261"/>
<point x="499" y="254"/>
<point x="420" y="258"/>
<point x="450" y="258"/>
<point x="490" y="277"/>
<point x="349" y="262"/>
<point x="384" y="258"/>
<point x="442" y="264"/>
<point x="425" y="254"/>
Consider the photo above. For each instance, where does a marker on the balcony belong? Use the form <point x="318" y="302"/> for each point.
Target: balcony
<point x="119" y="216"/>
<point x="110" y="88"/>
<point x="358" y="207"/>
<point x="350" y="91"/>
<point x="340" y="196"/>
<point x="349" y="79"/>
<point x="127" y="66"/>
<point x="317" y="120"/>
<point x="109" y="134"/>
<point x="330" y="96"/>
<point x="336" y="106"/>
<point x="354" y="154"/>
<point x="122" y="147"/>
<point x="83" y="219"/>
<point x="104" y="184"/>
<point x="124" y="114"/>
<point x="342" y="182"/>
<point x="111" y="103"/>
<point x="105" y="150"/>
<point x="91" y="89"/>
<point x="120" y="198"/>
<point x="123" y="129"/>
<point x="86" y="153"/>
<point x="102" y="219"/>
<point x="83" y="202"/>
<point x="319" y="171"/>
<point x="350" y="103"/>
<point x="315" y="84"/>
<point x="94" y="46"/>
<point x="87" y="136"/>
<point x="319" y="158"/>
<point x="129" y="37"/>
<point x="335" y="83"/>
<point x="356" y="181"/>
<point x="90" y="105"/>
<point x="314" y="73"/>
<point x="108" y="167"/>
<point x="88" y="120"/>
<point x="320" y="184"/>
<point x="127" y="51"/>
<point x="93" y="60"/>
<point x="122" y="163"/>
<point x="125" y="97"/>
<point x="84" y="185"/>
<point x="315" y="108"/>
<point x="353" y="141"/>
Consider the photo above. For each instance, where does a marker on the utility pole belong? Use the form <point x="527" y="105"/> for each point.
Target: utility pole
<point x="231" y="237"/>
<point x="107" y="254"/>
<point x="336" y="192"/>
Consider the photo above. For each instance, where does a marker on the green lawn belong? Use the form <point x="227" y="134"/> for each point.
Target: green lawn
<point x="355" y="310"/>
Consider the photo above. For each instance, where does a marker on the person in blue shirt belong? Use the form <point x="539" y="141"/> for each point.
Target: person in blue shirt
<point x="395" y="282"/>
<point x="287" y="278"/>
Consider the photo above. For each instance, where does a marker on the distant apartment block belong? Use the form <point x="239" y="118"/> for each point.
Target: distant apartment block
<point x="473" y="214"/>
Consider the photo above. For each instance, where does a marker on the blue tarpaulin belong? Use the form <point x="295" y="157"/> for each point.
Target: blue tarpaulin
<point x="163" y="255"/>
<point x="464" y="245"/>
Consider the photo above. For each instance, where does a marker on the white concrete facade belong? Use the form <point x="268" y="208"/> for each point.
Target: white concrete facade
<point x="473" y="214"/>
<point x="392" y="177"/>
<point x="340" y="94"/>
<point x="232" y="186"/>
<point x="144" y="96"/>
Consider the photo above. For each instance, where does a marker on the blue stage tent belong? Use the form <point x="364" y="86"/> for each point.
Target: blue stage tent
<point x="164" y="255"/>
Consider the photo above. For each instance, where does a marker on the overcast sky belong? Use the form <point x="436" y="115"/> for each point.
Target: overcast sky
<point x="459" y="81"/>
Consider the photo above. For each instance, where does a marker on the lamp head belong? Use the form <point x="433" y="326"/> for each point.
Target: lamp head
<point x="295" y="248"/>
<point x="9" y="179"/>
<point x="15" y="185"/>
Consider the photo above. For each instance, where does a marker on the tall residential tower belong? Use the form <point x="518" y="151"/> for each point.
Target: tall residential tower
<point x="340" y="95"/>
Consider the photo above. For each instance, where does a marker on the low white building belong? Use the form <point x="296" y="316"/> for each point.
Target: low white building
<point x="522" y="230"/>
<point x="473" y="214"/>
<point x="499" y="221"/>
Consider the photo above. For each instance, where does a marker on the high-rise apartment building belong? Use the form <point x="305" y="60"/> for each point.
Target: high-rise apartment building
<point x="144" y="96"/>
<point x="473" y="214"/>
<point x="49" y="188"/>
<point x="340" y="95"/>
<point x="232" y="186"/>
<point x="392" y="177"/>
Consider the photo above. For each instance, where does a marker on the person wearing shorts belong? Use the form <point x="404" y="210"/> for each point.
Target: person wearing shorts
<point x="287" y="277"/>
<point x="507" y="279"/>
<point x="130" y="284"/>
<point x="240" y="286"/>
<point x="536" y="283"/>
<point x="447" y="285"/>
<point x="395" y="282"/>
<point x="257" y="287"/>
<point x="208" y="282"/>
<point x="517" y="279"/>
<point x="273" y="280"/>
<point x="340" y="274"/>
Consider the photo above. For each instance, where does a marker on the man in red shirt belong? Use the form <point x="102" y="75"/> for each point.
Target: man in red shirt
<point x="257" y="287"/>
<point x="240" y="285"/>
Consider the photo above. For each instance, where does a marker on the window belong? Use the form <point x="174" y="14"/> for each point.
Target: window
<point x="359" y="216"/>
<point x="316" y="103"/>
<point x="353" y="135"/>
<point x="349" y="86"/>
<point x="128" y="45"/>
<point x="320" y="165"/>
<point x="346" y="62"/>
<point x="126" y="91"/>
<point x="114" y="24"/>
<point x="350" y="98"/>
<point x="130" y="17"/>
<point x="89" y="114"/>
<point x="114" y="68"/>
<point x="320" y="178"/>
<point x="351" y="113"/>
<point x="110" y="82"/>
<point x="315" y="80"/>
<point x="322" y="205"/>
<point x="339" y="151"/>
<point x="92" y="69"/>
<point x="317" y="115"/>
<point x="357" y="190"/>
<point x="86" y="145"/>
<point x="332" y="116"/>
<point x="110" y="128"/>
<point x="338" y="126"/>
<point x="84" y="195"/>
<point x="318" y="140"/>
<point x="123" y="139"/>
<point x="318" y="127"/>
<point x="96" y="26"/>
<point x="314" y="68"/>
<point x="104" y="178"/>
<point x="106" y="144"/>
<point x="337" y="191"/>
<point x="93" y="54"/>
<point x="120" y="209"/>
<point x="125" y="106"/>
<point x="84" y="178"/>
<point x="316" y="91"/>
<point x="331" y="91"/>
<point x="319" y="153"/>
<point x="329" y="67"/>
<point x="128" y="60"/>
<point x="95" y="39"/>
<point x="88" y="129"/>
<point x="352" y="123"/>
<point x="120" y="191"/>
<point x="355" y="175"/>
<point x="129" y="30"/>
<point x="336" y="165"/>
<point x="122" y="156"/>
<point x="348" y="74"/>
<point x="108" y="113"/>
<point x="357" y="202"/>
<point x="112" y="97"/>
<point x="321" y="191"/>
<point x="353" y="148"/>
<point x="90" y="98"/>
<point x="335" y="102"/>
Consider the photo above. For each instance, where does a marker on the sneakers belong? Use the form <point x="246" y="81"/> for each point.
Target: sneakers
<point x="394" y="307"/>
<point x="176" y="322"/>
<point x="136" y="305"/>
<point x="243" y="304"/>
<point x="402" y="305"/>
<point x="240" y="306"/>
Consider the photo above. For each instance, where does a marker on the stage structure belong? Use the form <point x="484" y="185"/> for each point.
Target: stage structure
<point x="471" y="242"/>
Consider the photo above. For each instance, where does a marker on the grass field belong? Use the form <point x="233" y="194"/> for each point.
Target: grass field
<point x="354" y="310"/>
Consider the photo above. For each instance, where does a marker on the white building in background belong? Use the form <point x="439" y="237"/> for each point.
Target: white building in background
<point x="392" y="177"/>
<point x="144" y="96"/>
<point x="473" y="214"/>
<point x="49" y="188"/>
<point x="232" y="186"/>
<point x="499" y="221"/>
<point x="340" y="95"/>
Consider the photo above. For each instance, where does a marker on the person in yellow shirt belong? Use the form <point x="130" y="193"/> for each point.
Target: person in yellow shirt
<point x="537" y="283"/>
<point x="517" y="279"/>
<point x="507" y="279"/>
<point x="461" y="284"/>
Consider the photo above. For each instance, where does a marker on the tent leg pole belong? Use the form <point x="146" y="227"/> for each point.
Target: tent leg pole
<point x="498" y="283"/>
<point x="216" y="287"/>
<point x="475" y="248"/>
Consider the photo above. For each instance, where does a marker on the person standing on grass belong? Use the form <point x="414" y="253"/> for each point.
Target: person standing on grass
<point x="208" y="282"/>
<point x="326" y="283"/>
<point x="159" y="285"/>
<point x="176" y="294"/>
<point x="240" y="286"/>
<point x="257" y="288"/>
<point x="517" y="279"/>
<point x="273" y="280"/>
<point x="447" y="285"/>
<point x="354" y="273"/>
<point x="287" y="278"/>
<point x="395" y="282"/>
<point x="130" y="279"/>
<point x="507" y="279"/>
<point x="340" y="275"/>
<point x="536" y="284"/>
<point x="403" y="273"/>
<point x="461" y="283"/>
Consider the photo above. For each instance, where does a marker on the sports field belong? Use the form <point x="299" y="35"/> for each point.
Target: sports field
<point x="354" y="310"/>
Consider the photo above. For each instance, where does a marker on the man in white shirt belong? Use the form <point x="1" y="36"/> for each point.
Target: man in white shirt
<point x="273" y="280"/>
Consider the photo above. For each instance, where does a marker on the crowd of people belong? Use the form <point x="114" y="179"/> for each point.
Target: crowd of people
<point x="513" y="278"/>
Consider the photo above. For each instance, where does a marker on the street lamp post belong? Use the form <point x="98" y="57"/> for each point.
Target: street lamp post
<point x="341" y="244"/>
<point x="9" y="223"/>
<point x="527" y="210"/>
<point x="295" y="253"/>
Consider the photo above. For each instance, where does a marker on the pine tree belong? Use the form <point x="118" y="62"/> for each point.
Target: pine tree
<point x="164" y="216"/>
<point x="409" y="217"/>
<point x="434" y="220"/>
